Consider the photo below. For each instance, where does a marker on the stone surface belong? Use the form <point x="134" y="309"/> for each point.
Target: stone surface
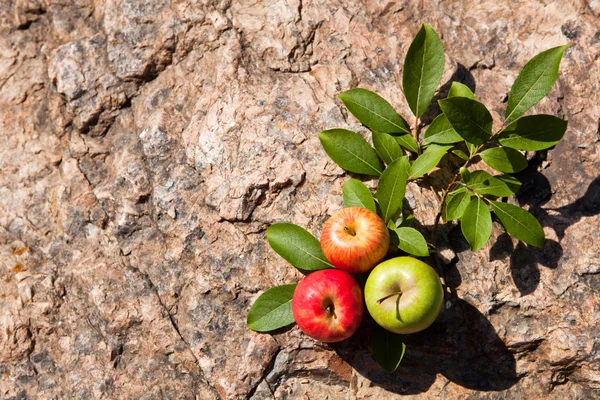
<point x="147" y="145"/>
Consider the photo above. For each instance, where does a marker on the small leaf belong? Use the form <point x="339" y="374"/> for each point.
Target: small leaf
<point x="428" y="160"/>
<point x="373" y="111"/>
<point x="534" y="82"/>
<point x="423" y="69"/>
<point x="356" y="194"/>
<point x="387" y="347"/>
<point x="519" y="223"/>
<point x="532" y="133"/>
<point x="476" y="223"/>
<point x="391" y="188"/>
<point x="272" y="310"/>
<point x="408" y="142"/>
<point x="297" y="246"/>
<point x="441" y="132"/>
<point x="504" y="159"/>
<point x="412" y="242"/>
<point x="387" y="147"/>
<point x="350" y="151"/>
<point x="469" y="118"/>
<point x="461" y="154"/>
<point x="471" y="147"/>
<point x="460" y="90"/>
<point x="456" y="203"/>
<point x="499" y="186"/>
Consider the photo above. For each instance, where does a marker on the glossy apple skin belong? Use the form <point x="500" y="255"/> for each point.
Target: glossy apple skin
<point x="328" y="305"/>
<point x="355" y="239"/>
<point x="418" y="305"/>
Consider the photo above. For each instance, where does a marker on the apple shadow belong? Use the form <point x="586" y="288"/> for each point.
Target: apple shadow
<point x="462" y="345"/>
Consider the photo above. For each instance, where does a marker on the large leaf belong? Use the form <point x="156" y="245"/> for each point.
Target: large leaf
<point x="387" y="147"/>
<point x="272" y="310"/>
<point x="441" y="132"/>
<point x="456" y="203"/>
<point x="297" y="246"/>
<point x="485" y="184"/>
<point x="388" y="348"/>
<point x="423" y="69"/>
<point x="460" y="90"/>
<point x="428" y="160"/>
<point x="500" y="186"/>
<point x="391" y="188"/>
<point x="534" y="82"/>
<point x="408" y="142"/>
<point x="350" y="151"/>
<point x="412" y="242"/>
<point x="534" y="132"/>
<point x="504" y="159"/>
<point x="476" y="223"/>
<point x="356" y="194"/>
<point x="373" y="111"/>
<point x="519" y="223"/>
<point x="469" y="118"/>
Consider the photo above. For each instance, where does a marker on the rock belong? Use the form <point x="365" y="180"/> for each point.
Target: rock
<point x="147" y="145"/>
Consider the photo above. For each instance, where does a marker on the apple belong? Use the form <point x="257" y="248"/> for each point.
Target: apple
<point x="328" y="305"/>
<point x="404" y="295"/>
<point x="355" y="239"/>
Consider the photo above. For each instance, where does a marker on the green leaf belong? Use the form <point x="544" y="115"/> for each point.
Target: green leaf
<point x="350" y="151"/>
<point x="459" y="90"/>
<point x="272" y="310"/>
<point x="504" y="159"/>
<point x="412" y="242"/>
<point x="408" y="142"/>
<point x="532" y="133"/>
<point x="356" y="194"/>
<point x="423" y="69"/>
<point x="387" y="347"/>
<point x="428" y="160"/>
<point x="471" y="147"/>
<point x="519" y="223"/>
<point x="391" y="188"/>
<point x="476" y="223"/>
<point x="461" y="154"/>
<point x="456" y="203"/>
<point x="387" y="147"/>
<point x="534" y="82"/>
<point x="469" y="118"/>
<point x="441" y="132"/>
<point x="499" y="186"/>
<point x="373" y="111"/>
<point x="297" y="246"/>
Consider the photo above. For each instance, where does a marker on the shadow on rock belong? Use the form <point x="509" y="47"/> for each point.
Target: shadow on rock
<point x="462" y="346"/>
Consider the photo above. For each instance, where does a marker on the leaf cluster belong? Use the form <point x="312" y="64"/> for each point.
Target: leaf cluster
<point x="399" y="154"/>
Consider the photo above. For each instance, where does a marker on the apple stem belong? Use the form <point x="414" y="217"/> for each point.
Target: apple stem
<point x="330" y="311"/>
<point x="399" y="293"/>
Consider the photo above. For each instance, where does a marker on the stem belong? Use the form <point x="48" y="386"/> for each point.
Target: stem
<point x="449" y="188"/>
<point x="417" y="135"/>
<point x="399" y="293"/>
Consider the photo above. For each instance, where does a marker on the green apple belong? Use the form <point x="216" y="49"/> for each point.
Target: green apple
<point x="404" y="295"/>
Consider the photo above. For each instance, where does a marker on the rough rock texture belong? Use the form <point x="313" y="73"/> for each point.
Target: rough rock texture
<point x="146" y="145"/>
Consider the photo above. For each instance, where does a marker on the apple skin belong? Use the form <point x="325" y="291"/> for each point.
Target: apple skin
<point x="418" y="305"/>
<point x="355" y="239"/>
<point x="328" y="305"/>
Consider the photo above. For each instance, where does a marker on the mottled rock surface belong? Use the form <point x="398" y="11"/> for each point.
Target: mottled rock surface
<point x="146" y="146"/>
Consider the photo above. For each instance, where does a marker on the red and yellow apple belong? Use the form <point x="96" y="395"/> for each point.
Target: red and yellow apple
<point x="328" y="305"/>
<point x="355" y="239"/>
<point x="404" y="295"/>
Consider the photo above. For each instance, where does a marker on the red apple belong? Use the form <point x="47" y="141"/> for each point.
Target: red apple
<point x="355" y="239"/>
<point x="328" y="305"/>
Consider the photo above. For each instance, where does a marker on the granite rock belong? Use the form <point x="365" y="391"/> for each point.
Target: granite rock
<point x="147" y="145"/>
